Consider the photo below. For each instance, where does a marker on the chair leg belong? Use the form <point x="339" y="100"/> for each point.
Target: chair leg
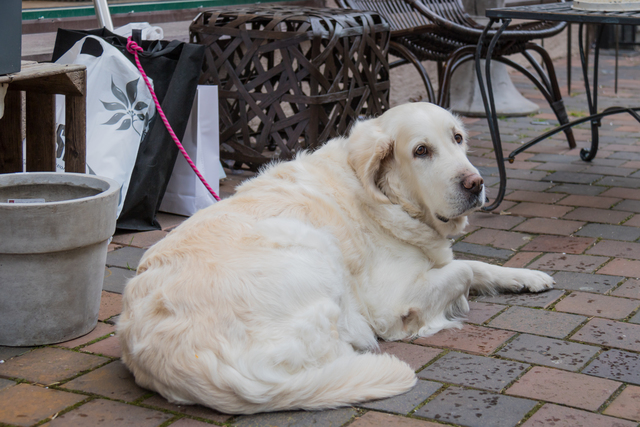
<point x="554" y="89"/>
<point x="405" y="53"/>
<point x="459" y="56"/>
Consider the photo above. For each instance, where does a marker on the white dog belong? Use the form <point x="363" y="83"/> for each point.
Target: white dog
<point x="274" y="298"/>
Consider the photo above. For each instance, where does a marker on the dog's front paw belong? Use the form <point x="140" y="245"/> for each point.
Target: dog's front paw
<point x="537" y="281"/>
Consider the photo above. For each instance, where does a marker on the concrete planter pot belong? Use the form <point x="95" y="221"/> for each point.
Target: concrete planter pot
<point x="52" y="254"/>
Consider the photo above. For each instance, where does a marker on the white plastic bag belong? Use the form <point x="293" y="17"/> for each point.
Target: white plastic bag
<point x="119" y="109"/>
<point x="185" y="193"/>
<point x="149" y="32"/>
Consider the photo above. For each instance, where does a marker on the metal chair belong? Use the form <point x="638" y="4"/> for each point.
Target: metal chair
<point x="441" y="30"/>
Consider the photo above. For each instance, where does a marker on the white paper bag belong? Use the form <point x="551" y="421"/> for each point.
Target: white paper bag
<point x="185" y="193"/>
<point x="119" y="109"/>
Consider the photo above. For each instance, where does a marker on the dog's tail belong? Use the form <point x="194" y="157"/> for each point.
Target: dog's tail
<point x="346" y="380"/>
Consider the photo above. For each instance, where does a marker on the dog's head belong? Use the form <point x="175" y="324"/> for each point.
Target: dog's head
<point x="415" y="155"/>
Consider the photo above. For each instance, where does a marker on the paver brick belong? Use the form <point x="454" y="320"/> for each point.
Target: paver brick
<point x="635" y="319"/>
<point x="561" y="416"/>
<point x="540" y="210"/>
<point x="567" y="388"/>
<point x="116" y="278"/>
<point x="549" y="352"/>
<point x="49" y="365"/>
<point x="113" y="381"/>
<point x="476" y="408"/>
<point x="534" y="196"/>
<point x="626" y="405"/>
<point x="613" y="248"/>
<point x="484" y="251"/>
<point x="610" y="333"/>
<point x="521" y="259"/>
<point x="589" y="201"/>
<point x="616" y="181"/>
<point x="608" y="170"/>
<point x="531" y="175"/>
<point x="334" y="417"/>
<point x="597" y="305"/>
<point x="127" y="257"/>
<point x="113" y="247"/>
<point x="553" y="158"/>
<point x="7" y="353"/>
<point x="110" y="305"/>
<point x="572" y="177"/>
<point x="628" y="206"/>
<point x="521" y="184"/>
<point x="406" y="402"/>
<point x="379" y="419"/>
<point x="415" y="356"/>
<point x="6" y="383"/>
<point x="500" y="222"/>
<point x="599" y="283"/>
<point x="143" y="240"/>
<point x="198" y="411"/>
<point x="538" y="322"/>
<point x="634" y="221"/>
<point x="480" y="312"/>
<point x="498" y="238"/>
<point x="189" y="422"/>
<point x="107" y="347"/>
<point x="473" y="371"/>
<point x="606" y="216"/>
<point x="549" y="226"/>
<point x="562" y="244"/>
<point x="610" y="232"/>
<point x="578" y="189"/>
<point x="542" y="299"/>
<point x="100" y="330"/>
<point x="624" y="267"/>
<point x="169" y="221"/>
<point x="622" y="193"/>
<point x="106" y="413"/>
<point x="616" y="365"/>
<point x="568" y="262"/>
<point x="629" y="289"/>
<point x="24" y="404"/>
<point x="560" y="167"/>
<point x="471" y="338"/>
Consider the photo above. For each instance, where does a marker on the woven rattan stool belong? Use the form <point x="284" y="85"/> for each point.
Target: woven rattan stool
<point x="290" y="78"/>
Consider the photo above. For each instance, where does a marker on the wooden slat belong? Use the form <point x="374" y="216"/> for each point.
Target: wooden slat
<point x="34" y="70"/>
<point x="75" y="133"/>
<point x="41" y="135"/>
<point x="64" y="83"/>
<point x="11" y="135"/>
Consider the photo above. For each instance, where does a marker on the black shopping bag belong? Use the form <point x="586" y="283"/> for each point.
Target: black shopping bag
<point x="175" y="68"/>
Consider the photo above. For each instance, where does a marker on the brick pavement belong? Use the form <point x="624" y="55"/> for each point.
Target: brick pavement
<point x="568" y="357"/>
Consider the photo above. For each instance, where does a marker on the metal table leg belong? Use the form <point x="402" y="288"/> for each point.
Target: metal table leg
<point x="592" y="99"/>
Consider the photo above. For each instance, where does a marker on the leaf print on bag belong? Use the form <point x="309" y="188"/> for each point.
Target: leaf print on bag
<point x="127" y="112"/>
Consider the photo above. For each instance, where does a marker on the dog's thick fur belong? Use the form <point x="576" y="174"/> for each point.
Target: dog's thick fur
<point x="273" y="298"/>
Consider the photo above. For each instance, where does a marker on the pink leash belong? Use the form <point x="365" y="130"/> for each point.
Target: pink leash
<point x="133" y="48"/>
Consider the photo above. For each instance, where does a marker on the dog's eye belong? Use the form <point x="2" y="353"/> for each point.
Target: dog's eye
<point x="421" y="151"/>
<point x="458" y="138"/>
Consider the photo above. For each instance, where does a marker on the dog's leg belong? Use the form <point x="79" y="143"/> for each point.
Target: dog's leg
<point x="490" y="279"/>
<point x="438" y="301"/>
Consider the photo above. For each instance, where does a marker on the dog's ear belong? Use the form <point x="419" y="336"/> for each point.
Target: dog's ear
<point x="368" y="146"/>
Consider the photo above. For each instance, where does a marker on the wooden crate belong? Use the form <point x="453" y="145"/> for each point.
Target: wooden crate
<point x="41" y="82"/>
<point x="290" y="78"/>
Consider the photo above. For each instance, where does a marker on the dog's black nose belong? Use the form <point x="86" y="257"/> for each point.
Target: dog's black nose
<point x="473" y="183"/>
